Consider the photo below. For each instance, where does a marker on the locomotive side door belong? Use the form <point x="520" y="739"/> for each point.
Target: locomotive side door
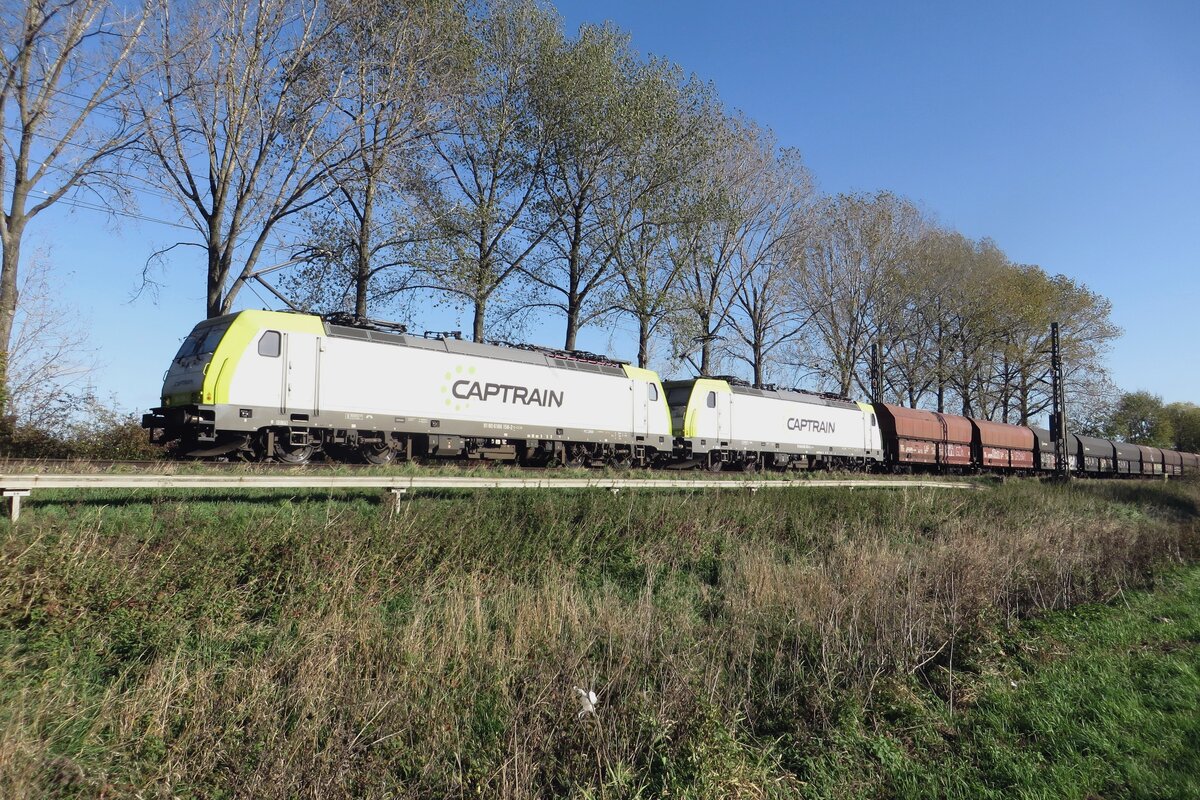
<point x="718" y="409"/>
<point x="643" y="393"/>
<point x="301" y="354"/>
<point x="260" y="378"/>
<point x="725" y="416"/>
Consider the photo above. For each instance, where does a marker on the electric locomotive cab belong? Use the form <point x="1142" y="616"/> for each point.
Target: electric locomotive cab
<point x="184" y="384"/>
<point x="235" y="375"/>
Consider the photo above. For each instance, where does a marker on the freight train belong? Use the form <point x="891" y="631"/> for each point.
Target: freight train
<point x="281" y="386"/>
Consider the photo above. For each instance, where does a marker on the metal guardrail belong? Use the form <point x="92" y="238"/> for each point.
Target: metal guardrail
<point x="17" y="486"/>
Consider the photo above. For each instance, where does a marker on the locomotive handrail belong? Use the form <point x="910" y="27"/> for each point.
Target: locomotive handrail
<point x="16" y="486"/>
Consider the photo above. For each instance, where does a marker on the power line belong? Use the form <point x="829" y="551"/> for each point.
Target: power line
<point x="148" y="189"/>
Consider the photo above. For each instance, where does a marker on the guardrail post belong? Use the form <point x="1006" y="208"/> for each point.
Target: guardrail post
<point x="14" y="502"/>
<point x="397" y="498"/>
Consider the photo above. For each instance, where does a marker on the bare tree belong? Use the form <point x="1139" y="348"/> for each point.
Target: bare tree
<point x="51" y="355"/>
<point x="64" y="69"/>
<point x="863" y="242"/>
<point x="738" y="223"/>
<point x="767" y="312"/>
<point x="241" y="124"/>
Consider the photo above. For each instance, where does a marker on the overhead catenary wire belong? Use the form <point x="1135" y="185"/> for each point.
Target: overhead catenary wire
<point x="148" y="189"/>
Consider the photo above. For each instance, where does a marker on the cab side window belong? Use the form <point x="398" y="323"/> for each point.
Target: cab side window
<point x="652" y="392"/>
<point x="269" y="344"/>
<point x="711" y="400"/>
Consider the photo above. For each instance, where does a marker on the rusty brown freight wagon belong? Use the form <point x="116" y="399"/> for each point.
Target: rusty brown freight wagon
<point x="1172" y="462"/>
<point x="1152" y="460"/>
<point x="1129" y="458"/>
<point x="1000" y="446"/>
<point x="1191" y="463"/>
<point x="913" y="437"/>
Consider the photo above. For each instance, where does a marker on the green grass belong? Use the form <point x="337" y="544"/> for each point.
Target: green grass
<point x="786" y="644"/>
<point x="1099" y="701"/>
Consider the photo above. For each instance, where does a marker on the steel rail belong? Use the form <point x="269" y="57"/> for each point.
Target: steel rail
<point x="16" y="486"/>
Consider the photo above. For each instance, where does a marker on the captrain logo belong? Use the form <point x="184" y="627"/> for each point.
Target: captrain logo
<point x="507" y="393"/>
<point x="461" y="386"/>
<point x="810" y="425"/>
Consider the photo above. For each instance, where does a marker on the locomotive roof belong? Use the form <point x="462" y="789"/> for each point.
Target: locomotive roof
<point x="796" y="396"/>
<point x="545" y="358"/>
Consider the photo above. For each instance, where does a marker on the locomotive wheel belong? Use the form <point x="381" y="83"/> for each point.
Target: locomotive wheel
<point x="275" y="445"/>
<point x="714" y="463"/>
<point x="377" y="453"/>
<point x="750" y="465"/>
<point x="286" y="453"/>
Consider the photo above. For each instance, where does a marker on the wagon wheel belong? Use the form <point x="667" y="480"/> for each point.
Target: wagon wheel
<point x="377" y="453"/>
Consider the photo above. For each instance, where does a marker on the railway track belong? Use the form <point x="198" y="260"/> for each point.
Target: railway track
<point x="98" y="465"/>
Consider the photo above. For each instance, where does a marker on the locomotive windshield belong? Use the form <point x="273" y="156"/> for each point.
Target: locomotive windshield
<point x="203" y="340"/>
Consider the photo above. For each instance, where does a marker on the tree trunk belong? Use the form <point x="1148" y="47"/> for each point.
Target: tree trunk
<point x="643" y="341"/>
<point x="573" y="278"/>
<point x="480" y="313"/>
<point x="572" y="324"/>
<point x="362" y="272"/>
<point x="8" y="309"/>
<point x="216" y="283"/>
<point x="941" y="378"/>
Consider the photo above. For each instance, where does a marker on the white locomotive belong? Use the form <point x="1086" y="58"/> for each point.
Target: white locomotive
<point x="267" y="384"/>
<point x="720" y="422"/>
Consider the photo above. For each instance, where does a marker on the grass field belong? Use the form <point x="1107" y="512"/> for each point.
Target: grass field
<point x="787" y="644"/>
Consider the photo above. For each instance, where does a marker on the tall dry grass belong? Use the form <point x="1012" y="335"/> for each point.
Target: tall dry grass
<point x="324" y="648"/>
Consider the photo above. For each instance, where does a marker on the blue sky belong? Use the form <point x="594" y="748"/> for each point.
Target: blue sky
<point x="1067" y="132"/>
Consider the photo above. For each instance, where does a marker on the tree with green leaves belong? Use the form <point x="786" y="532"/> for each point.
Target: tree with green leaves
<point x="596" y="100"/>
<point x="1184" y="419"/>
<point x="400" y="67"/>
<point x="487" y="178"/>
<point x="1140" y="418"/>
<point x="648" y="201"/>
